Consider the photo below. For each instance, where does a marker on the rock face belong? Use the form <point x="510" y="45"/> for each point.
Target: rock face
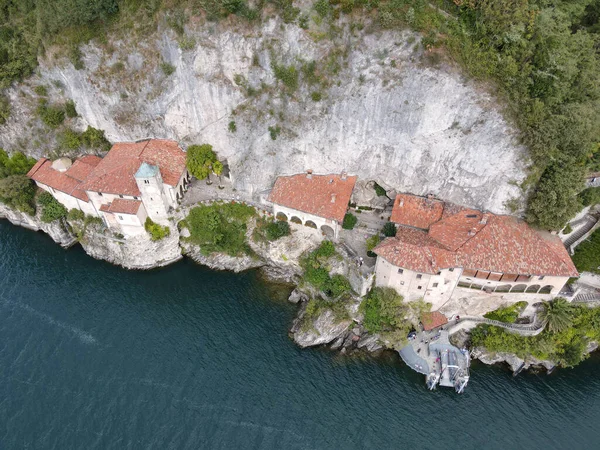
<point x="515" y="363"/>
<point x="56" y="230"/>
<point x="220" y="261"/>
<point x="134" y="253"/>
<point x="384" y="115"/>
<point x="325" y="329"/>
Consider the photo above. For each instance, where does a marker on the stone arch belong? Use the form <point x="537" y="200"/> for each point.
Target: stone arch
<point x="518" y="288"/>
<point x="281" y="216"/>
<point x="546" y="289"/>
<point x="310" y="224"/>
<point x="296" y="219"/>
<point x="533" y="288"/>
<point x="327" y="231"/>
<point x="503" y="288"/>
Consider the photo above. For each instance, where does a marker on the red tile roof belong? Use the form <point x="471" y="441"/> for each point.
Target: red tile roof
<point x="69" y="181"/>
<point x="419" y="212"/>
<point x="485" y="242"/>
<point x="115" y="173"/>
<point x="434" y="319"/>
<point x="122" y="206"/>
<point x="314" y="195"/>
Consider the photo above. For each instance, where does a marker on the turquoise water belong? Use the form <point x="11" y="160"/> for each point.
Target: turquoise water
<point x="93" y="356"/>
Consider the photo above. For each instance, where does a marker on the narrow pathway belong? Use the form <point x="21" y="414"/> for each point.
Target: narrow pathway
<point x="590" y="222"/>
<point x="522" y="329"/>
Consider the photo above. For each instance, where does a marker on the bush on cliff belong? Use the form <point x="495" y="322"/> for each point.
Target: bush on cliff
<point x="270" y="230"/>
<point x="52" y="209"/>
<point x="316" y="271"/>
<point x="349" y="221"/>
<point x="18" y="191"/>
<point x="587" y="254"/>
<point x="566" y="347"/>
<point x="220" y="227"/>
<point x="16" y="164"/>
<point x="156" y="231"/>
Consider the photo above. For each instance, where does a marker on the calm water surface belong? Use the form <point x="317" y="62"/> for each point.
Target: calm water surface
<point x="93" y="356"/>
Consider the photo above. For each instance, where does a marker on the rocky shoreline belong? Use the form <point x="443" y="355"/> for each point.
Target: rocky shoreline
<point x="346" y="336"/>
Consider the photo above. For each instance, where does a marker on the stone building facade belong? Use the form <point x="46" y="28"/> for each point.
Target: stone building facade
<point x="316" y="201"/>
<point x="440" y="246"/>
<point x="132" y="182"/>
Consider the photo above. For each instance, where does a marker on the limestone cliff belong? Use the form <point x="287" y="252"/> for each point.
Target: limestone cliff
<point x="385" y="112"/>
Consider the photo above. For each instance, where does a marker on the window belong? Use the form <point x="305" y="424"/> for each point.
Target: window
<point x="136" y="198"/>
<point x="419" y="276"/>
<point x="151" y="199"/>
<point x="402" y="283"/>
<point x="435" y="284"/>
<point x="400" y="270"/>
<point x="451" y="269"/>
<point x="541" y="278"/>
<point x="146" y="181"/>
<point x="120" y="196"/>
<point x="120" y="217"/>
<point x="100" y="194"/>
<point x="419" y="287"/>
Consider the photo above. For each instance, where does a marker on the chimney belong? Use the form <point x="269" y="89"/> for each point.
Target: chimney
<point x="309" y="174"/>
<point x="484" y="219"/>
<point x="401" y="204"/>
<point x="344" y="175"/>
<point x="472" y="232"/>
<point x="333" y="198"/>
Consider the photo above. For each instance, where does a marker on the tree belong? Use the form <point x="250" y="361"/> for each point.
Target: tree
<point x="389" y="229"/>
<point x="555" y="200"/>
<point x="200" y="160"/>
<point x="557" y="315"/>
<point x="17" y="191"/>
<point x="218" y="170"/>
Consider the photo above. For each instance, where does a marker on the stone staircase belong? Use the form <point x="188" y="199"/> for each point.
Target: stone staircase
<point x="590" y="222"/>
<point x="529" y="329"/>
<point x="587" y="297"/>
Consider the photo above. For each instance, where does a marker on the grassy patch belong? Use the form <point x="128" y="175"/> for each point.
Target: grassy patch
<point x="156" y="231"/>
<point x="270" y="230"/>
<point x="220" y="227"/>
<point x="508" y="314"/>
<point x="587" y="254"/>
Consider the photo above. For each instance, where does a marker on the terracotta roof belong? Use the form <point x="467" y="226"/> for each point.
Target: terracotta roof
<point x="414" y="211"/>
<point x="434" y="319"/>
<point x="69" y="181"/>
<point x="322" y="195"/>
<point x="122" y="206"/>
<point x="485" y="242"/>
<point x="115" y="173"/>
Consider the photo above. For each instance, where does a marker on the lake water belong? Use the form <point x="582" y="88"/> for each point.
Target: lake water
<point x="94" y="356"/>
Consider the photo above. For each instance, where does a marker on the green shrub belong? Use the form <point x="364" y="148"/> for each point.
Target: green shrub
<point x="336" y="286"/>
<point x="95" y="139"/>
<point x="587" y="254"/>
<point x="349" y="222"/>
<point x="278" y="229"/>
<point x="389" y="229"/>
<point x="52" y="116"/>
<point x="590" y="196"/>
<point x="322" y="7"/>
<point x="41" y="90"/>
<point x="18" y="191"/>
<point x="232" y="126"/>
<point x="16" y="164"/>
<point x="315" y="268"/>
<point x="75" y="214"/>
<point x="274" y="132"/>
<point x="168" y="69"/>
<point x="508" y="314"/>
<point x="70" y="109"/>
<point x="316" y="96"/>
<point x="372" y="242"/>
<point x="379" y="190"/>
<point x="52" y="209"/>
<point x="69" y="139"/>
<point x="288" y="75"/>
<point x="156" y="231"/>
<point x="220" y="227"/>
<point x="4" y="109"/>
